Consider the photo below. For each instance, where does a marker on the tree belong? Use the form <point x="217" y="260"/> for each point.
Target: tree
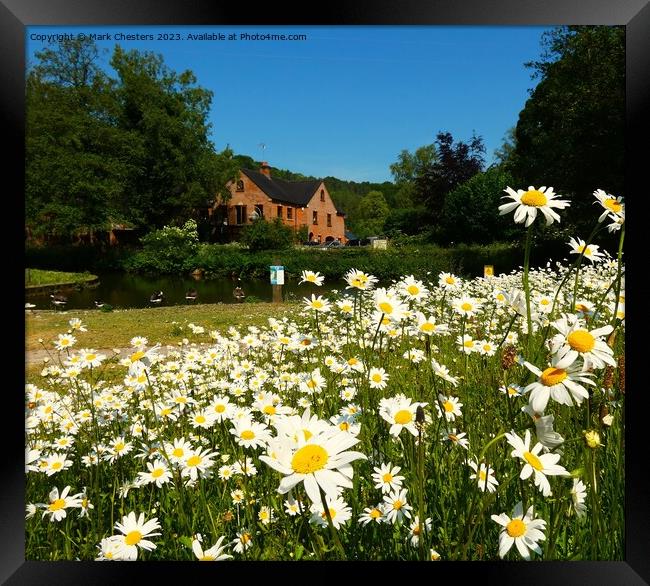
<point x="373" y="211"/>
<point x="455" y="164"/>
<point x="406" y="170"/>
<point x="263" y="235"/>
<point x="471" y="212"/>
<point x="570" y="132"/>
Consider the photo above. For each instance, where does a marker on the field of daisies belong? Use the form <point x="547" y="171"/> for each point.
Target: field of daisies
<point x="455" y="419"/>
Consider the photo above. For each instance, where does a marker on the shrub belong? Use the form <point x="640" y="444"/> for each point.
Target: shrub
<point x="263" y="235"/>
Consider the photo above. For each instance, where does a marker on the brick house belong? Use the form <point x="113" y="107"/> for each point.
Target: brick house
<point x="297" y="203"/>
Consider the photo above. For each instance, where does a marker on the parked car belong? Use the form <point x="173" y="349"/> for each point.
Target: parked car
<point x="311" y="243"/>
<point x="332" y="244"/>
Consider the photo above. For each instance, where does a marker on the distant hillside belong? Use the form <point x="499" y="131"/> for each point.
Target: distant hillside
<point x="346" y="194"/>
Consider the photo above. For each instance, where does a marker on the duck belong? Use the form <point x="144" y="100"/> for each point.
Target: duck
<point x="58" y="300"/>
<point x="156" y="297"/>
<point x="191" y="295"/>
<point x="238" y="293"/>
<point x="99" y="304"/>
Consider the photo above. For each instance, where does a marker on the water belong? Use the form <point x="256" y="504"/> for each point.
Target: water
<point x="124" y="290"/>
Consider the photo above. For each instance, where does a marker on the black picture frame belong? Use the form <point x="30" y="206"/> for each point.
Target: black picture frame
<point x="16" y="15"/>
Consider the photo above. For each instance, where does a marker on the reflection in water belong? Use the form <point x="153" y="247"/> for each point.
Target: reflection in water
<point x="124" y="290"/>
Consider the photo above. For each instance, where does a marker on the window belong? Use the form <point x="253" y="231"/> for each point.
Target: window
<point x="240" y="212"/>
<point x="279" y="211"/>
<point x="289" y="213"/>
<point x="315" y="218"/>
<point x="322" y="195"/>
<point x="240" y="185"/>
<point x="329" y="220"/>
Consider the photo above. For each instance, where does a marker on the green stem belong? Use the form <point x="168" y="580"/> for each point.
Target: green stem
<point x="335" y="536"/>
<point x="529" y="320"/>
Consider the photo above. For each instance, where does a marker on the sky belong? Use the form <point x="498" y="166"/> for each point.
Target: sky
<point x="343" y="101"/>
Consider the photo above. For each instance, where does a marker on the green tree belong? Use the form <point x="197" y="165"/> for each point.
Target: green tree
<point x="77" y="161"/>
<point x="471" y="211"/>
<point x="263" y="235"/>
<point x="372" y="213"/>
<point x="407" y="169"/>
<point x="570" y="132"/>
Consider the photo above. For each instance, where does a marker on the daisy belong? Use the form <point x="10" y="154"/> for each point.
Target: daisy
<point x="319" y="304"/>
<point x="90" y="358"/>
<point x="311" y="277"/>
<point x="466" y="306"/>
<point x="64" y="341"/>
<point x="242" y="542"/>
<point x="177" y="451"/>
<point x="345" y="306"/>
<point x="450" y="406"/>
<point x="320" y="462"/>
<point x="443" y="372"/>
<point x="359" y="280"/>
<point x="590" y="252"/>
<point x="56" y="462"/>
<point x="226" y="472"/>
<point x="213" y="554"/>
<point x="138" y="341"/>
<point x="292" y="506"/>
<point x="428" y="325"/>
<point x="85" y="505"/>
<point x="542" y="465"/>
<point x="371" y="514"/>
<point x="400" y="413"/>
<point x="265" y="515"/>
<point x="76" y="325"/>
<point x="520" y="529"/>
<point x="157" y="472"/>
<point x="386" y="477"/>
<point x="511" y="390"/>
<point x="448" y="281"/>
<point x="339" y="511"/>
<point x="109" y="548"/>
<point x="484" y="476"/>
<point x="396" y="507"/>
<point x="486" y="348"/>
<point x="455" y="438"/>
<point x="245" y="467"/>
<point x="221" y="407"/>
<point x="560" y="384"/>
<point x="59" y="503"/>
<point x="377" y="378"/>
<point x="412" y="288"/>
<point x="389" y="305"/>
<point x="613" y="206"/>
<point x="574" y="341"/>
<point x="203" y="419"/>
<point x="249" y="433"/>
<point x="414" y="529"/>
<point x="544" y="431"/>
<point x="134" y="531"/>
<point x="527" y="203"/>
<point x="197" y="463"/>
<point x="467" y="344"/>
<point x="578" y="497"/>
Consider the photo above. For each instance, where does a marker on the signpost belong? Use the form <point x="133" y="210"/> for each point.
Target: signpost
<point x="488" y="271"/>
<point x="277" y="280"/>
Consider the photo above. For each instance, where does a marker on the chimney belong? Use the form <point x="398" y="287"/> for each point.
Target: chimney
<point x="265" y="169"/>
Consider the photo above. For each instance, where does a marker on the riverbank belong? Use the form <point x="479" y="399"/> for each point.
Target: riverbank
<point x="165" y="325"/>
<point x="39" y="281"/>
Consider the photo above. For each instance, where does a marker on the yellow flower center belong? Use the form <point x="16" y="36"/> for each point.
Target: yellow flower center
<point x="376" y="378"/>
<point x="613" y="205"/>
<point x="220" y="408"/>
<point x="91" y="357"/>
<point x="57" y="505"/>
<point x="581" y="340"/>
<point x="317" y="304"/>
<point x="245" y="538"/>
<point x="553" y="376"/>
<point x="133" y="538"/>
<point x="413" y="289"/>
<point x="119" y="446"/>
<point x="269" y="410"/>
<point x="200" y="419"/>
<point x="178" y="452"/>
<point x="481" y="475"/>
<point x="332" y="514"/>
<point x="403" y="417"/>
<point x="137" y="356"/>
<point x="468" y="343"/>
<point x="56" y="465"/>
<point x="386" y="307"/>
<point x="247" y="435"/>
<point x="206" y="558"/>
<point x="157" y="472"/>
<point x="534" y="198"/>
<point x="375" y="513"/>
<point x="427" y="327"/>
<point x="194" y="460"/>
<point x="344" y="426"/>
<point x="308" y="459"/>
<point x="592" y="438"/>
<point x="533" y="460"/>
<point x="397" y="505"/>
<point x="388" y="477"/>
<point x="466" y="306"/>
<point x="450" y="280"/>
<point x="516" y="528"/>
<point x="452" y="437"/>
<point x="449" y="406"/>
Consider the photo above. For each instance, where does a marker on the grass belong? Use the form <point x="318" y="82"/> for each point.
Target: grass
<point x="166" y="325"/>
<point x="37" y="278"/>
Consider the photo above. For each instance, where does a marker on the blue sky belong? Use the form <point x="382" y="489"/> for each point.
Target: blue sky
<point x="347" y="100"/>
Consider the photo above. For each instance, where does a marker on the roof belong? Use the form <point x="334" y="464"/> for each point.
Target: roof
<point x="294" y="192"/>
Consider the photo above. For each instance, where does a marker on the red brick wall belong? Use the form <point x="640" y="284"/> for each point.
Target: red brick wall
<point x="322" y="231"/>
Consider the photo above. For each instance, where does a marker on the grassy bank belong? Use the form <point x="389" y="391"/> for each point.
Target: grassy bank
<point x="167" y="325"/>
<point x="38" y="278"/>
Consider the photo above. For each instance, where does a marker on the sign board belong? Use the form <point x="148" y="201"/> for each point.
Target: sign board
<point x="277" y="275"/>
<point x="379" y="243"/>
<point x="488" y="271"/>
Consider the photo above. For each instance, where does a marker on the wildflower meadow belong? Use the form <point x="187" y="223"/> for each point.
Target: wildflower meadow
<point x="449" y="419"/>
